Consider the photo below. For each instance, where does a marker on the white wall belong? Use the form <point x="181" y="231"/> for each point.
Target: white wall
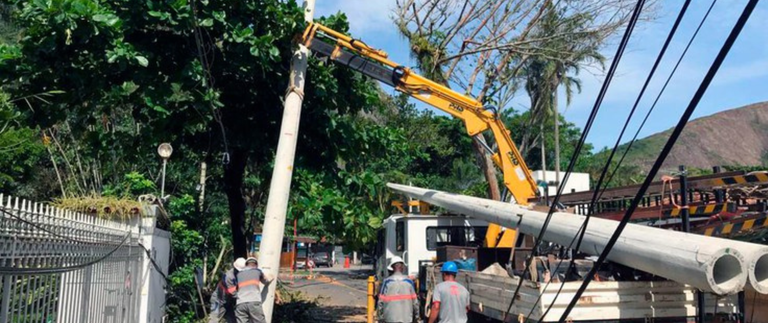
<point x="152" y="299"/>
<point x="577" y="182"/>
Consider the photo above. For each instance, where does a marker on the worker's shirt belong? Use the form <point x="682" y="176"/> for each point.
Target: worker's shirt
<point x="219" y="296"/>
<point x="230" y="281"/>
<point x="397" y="299"/>
<point x="454" y="301"/>
<point x="249" y="283"/>
<point x="222" y="297"/>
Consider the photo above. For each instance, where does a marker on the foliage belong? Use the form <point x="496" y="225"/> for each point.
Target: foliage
<point x="9" y="32"/>
<point x="200" y="75"/>
<point x="20" y="147"/>
<point x="569" y="137"/>
<point x="134" y="184"/>
<point x="109" y="207"/>
<point x="112" y="79"/>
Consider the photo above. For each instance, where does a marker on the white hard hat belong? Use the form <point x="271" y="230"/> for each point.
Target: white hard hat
<point x="394" y="260"/>
<point x="239" y="264"/>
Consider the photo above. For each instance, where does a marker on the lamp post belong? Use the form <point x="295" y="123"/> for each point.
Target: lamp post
<point x="164" y="150"/>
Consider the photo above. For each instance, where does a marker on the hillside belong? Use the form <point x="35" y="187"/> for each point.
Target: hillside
<point x="734" y="137"/>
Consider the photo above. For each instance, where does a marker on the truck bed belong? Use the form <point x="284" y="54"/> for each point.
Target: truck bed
<point x="490" y="296"/>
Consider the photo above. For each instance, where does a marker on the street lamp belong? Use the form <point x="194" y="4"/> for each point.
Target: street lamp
<point x="164" y="150"/>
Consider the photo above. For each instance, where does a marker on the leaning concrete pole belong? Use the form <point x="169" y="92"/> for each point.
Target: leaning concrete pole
<point x="279" y="188"/>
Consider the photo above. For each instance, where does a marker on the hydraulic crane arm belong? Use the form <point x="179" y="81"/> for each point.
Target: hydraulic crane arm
<point x="477" y="119"/>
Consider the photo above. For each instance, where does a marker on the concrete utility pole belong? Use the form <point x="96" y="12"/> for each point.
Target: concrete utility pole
<point x="279" y="189"/>
<point x="710" y="264"/>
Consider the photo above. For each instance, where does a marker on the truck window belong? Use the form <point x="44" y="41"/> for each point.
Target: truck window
<point x="455" y="236"/>
<point x="400" y="235"/>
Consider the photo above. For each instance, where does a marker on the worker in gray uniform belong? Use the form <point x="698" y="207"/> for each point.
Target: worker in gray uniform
<point x="222" y="301"/>
<point x="397" y="298"/>
<point x="248" y="293"/>
<point x="450" y="300"/>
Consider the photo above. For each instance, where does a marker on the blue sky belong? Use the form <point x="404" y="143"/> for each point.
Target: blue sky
<point x="742" y="80"/>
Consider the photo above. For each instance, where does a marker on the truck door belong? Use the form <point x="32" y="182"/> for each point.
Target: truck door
<point x="401" y="237"/>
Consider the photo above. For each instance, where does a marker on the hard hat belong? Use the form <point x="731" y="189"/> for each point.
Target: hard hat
<point x="449" y="267"/>
<point x="394" y="260"/>
<point x="239" y="264"/>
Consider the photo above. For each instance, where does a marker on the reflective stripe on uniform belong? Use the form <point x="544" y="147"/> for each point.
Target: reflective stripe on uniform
<point x="248" y="283"/>
<point x="392" y="298"/>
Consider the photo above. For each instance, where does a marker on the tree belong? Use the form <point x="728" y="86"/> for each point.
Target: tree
<point x="481" y="46"/>
<point x="544" y="76"/>
<point x="9" y="32"/>
<point x="201" y="75"/>
<point x="20" y="147"/>
<point x="569" y="136"/>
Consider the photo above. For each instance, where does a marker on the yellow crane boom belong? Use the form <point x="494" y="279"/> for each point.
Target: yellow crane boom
<point x="477" y="119"/>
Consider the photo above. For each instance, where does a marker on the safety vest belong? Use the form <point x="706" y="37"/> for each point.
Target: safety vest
<point x="249" y="285"/>
<point x="397" y="299"/>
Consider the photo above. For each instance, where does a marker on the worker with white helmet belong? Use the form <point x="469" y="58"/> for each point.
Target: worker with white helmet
<point x="397" y="298"/>
<point x="222" y="300"/>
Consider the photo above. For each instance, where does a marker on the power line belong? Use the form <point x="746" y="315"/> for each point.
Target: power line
<point x="582" y="231"/>
<point x="617" y="58"/>
<point x="665" y="151"/>
<point x="57" y="270"/>
<point x="653" y="106"/>
<point x="18" y="218"/>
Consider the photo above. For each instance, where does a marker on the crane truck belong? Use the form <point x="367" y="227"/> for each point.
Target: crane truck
<point x="415" y="235"/>
<point x="477" y="118"/>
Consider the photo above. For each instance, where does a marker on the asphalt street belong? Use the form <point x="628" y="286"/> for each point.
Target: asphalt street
<point x="341" y="292"/>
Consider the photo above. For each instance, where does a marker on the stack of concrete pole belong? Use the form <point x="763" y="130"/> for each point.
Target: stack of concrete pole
<point x="716" y="265"/>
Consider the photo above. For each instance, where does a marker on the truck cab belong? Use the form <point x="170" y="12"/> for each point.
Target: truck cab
<point x="416" y="237"/>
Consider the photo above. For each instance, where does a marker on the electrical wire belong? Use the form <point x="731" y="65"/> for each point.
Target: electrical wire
<point x="41" y="228"/>
<point x="612" y="70"/>
<point x="152" y="260"/>
<point x="43" y="271"/>
<point x="653" y="106"/>
<point x="748" y="9"/>
<point x="59" y="270"/>
<point x="209" y="80"/>
<point x="582" y="231"/>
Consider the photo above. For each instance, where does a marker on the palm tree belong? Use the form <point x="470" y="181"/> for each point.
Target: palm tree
<point x="558" y="67"/>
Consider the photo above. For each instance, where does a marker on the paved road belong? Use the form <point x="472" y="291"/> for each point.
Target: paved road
<point x="342" y="292"/>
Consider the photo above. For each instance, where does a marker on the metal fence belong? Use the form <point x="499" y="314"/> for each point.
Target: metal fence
<point x="64" y="266"/>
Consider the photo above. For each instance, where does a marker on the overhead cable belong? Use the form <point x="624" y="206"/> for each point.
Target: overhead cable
<point x="611" y="71"/>
<point x="604" y="171"/>
<point x="656" y="101"/>
<point x="748" y="9"/>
